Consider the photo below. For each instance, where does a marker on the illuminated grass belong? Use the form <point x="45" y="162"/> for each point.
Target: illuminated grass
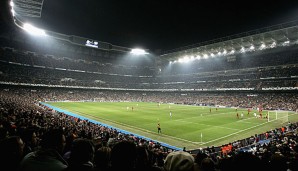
<point x="183" y="129"/>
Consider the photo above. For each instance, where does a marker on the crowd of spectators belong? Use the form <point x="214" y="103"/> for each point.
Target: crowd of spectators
<point x="268" y="101"/>
<point x="255" y="72"/>
<point x="32" y="137"/>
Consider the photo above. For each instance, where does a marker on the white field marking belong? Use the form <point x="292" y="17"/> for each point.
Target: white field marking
<point x="235" y="133"/>
<point x="210" y="125"/>
<point x="242" y="120"/>
<point x="194" y="142"/>
<point x="141" y="129"/>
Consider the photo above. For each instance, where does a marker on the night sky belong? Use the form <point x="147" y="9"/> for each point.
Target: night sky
<point x="162" y="24"/>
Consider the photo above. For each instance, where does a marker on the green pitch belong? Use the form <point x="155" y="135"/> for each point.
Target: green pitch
<point x="190" y="126"/>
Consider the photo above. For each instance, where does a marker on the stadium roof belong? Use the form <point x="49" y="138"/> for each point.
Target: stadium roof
<point x="161" y="25"/>
<point x="268" y="38"/>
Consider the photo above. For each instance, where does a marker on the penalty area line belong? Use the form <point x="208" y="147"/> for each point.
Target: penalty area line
<point x="236" y="132"/>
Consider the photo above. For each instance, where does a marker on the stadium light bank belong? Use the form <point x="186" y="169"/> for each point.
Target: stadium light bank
<point x="26" y="26"/>
<point x="33" y="30"/>
<point x="138" y="52"/>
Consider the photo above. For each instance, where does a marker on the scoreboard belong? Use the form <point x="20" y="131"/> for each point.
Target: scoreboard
<point x="90" y="42"/>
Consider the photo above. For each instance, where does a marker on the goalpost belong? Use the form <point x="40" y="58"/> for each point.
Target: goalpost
<point x="278" y="115"/>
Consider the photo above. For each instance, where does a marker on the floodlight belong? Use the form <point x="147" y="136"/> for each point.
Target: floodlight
<point x="186" y="59"/>
<point x="33" y="30"/>
<point x="286" y="43"/>
<point x="224" y="52"/>
<point x="273" y="44"/>
<point x="263" y="46"/>
<point x="138" y="52"/>
<point x="252" y="47"/>
<point x="13" y="12"/>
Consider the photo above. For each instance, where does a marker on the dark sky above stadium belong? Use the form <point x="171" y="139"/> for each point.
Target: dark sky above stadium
<point x="162" y="24"/>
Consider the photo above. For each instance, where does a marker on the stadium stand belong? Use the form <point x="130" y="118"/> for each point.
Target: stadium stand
<point x="32" y="71"/>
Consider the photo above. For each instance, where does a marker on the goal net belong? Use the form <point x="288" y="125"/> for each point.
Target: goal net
<point x="279" y="116"/>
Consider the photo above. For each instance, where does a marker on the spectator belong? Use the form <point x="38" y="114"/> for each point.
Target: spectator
<point x="102" y="159"/>
<point x="278" y="162"/>
<point x="123" y="156"/>
<point x="81" y="155"/>
<point x="200" y="156"/>
<point x="143" y="162"/>
<point x="30" y="140"/>
<point x="48" y="156"/>
<point x="11" y="153"/>
<point x="207" y="164"/>
<point x="179" y="161"/>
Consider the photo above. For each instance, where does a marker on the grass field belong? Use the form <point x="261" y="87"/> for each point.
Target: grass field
<point x="183" y="129"/>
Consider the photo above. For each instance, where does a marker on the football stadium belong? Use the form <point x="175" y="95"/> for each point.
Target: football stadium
<point x="216" y="105"/>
